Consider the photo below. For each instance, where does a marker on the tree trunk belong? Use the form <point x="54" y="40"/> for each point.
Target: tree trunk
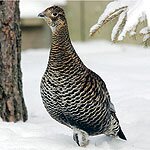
<point x="12" y="106"/>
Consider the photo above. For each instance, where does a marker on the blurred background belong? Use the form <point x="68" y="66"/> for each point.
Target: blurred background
<point x="81" y="15"/>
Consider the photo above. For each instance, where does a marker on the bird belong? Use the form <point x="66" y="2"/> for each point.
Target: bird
<point x="73" y="94"/>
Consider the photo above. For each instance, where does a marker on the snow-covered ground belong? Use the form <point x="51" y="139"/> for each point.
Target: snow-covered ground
<point x="126" y="71"/>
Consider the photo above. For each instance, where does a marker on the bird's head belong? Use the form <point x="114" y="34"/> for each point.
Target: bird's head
<point x="54" y="16"/>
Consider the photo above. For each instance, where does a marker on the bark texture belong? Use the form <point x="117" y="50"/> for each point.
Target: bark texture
<point x="12" y="106"/>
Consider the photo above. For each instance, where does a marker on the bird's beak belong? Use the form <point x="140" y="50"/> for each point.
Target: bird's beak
<point x="41" y="15"/>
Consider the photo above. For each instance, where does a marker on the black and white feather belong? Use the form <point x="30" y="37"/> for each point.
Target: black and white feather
<point x="73" y="94"/>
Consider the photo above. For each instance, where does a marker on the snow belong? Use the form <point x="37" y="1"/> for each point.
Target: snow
<point x="31" y="8"/>
<point x="126" y="71"/>
<point x="115" y="30"/>
<point x="112" y="9"/>
<point x="146" y="32"/>
<point x="137" y="11"/>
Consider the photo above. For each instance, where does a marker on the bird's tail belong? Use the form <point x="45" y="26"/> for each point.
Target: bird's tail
<point x="121" y="134"/>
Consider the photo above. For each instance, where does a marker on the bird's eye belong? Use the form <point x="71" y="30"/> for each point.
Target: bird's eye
<point x="54" y="14"/>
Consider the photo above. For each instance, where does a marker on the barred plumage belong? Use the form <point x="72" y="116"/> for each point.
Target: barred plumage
<point x="73" y="94"/>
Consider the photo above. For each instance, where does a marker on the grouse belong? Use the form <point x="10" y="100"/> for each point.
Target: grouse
<point x="73" y="94"/>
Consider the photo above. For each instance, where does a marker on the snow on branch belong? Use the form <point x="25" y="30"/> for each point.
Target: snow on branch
<point x="130" y="14"/>
<point x="119" y="26"/>
<point x="106" y="18"/>
<point x="146" y="32"/>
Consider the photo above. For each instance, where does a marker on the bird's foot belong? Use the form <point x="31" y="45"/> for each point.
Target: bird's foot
<point x="80" y="137"/>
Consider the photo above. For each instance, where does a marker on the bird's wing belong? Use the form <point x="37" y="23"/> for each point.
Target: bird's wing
<point x="112" y="108"/>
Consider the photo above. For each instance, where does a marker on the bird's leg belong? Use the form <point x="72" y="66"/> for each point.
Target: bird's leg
<point x="80" y="137"/>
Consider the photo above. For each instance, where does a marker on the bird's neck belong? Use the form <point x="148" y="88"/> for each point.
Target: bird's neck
<point x="60" y="38"/>
<point x="60" y="44"/>
<point x="62" y="51"/>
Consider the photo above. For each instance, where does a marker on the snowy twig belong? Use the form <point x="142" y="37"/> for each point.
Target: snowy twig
<point x="130" y="14"/>
<point x="119" y="26"/>
<point x="104" y="19"/>
<point x="146" y="32"/>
